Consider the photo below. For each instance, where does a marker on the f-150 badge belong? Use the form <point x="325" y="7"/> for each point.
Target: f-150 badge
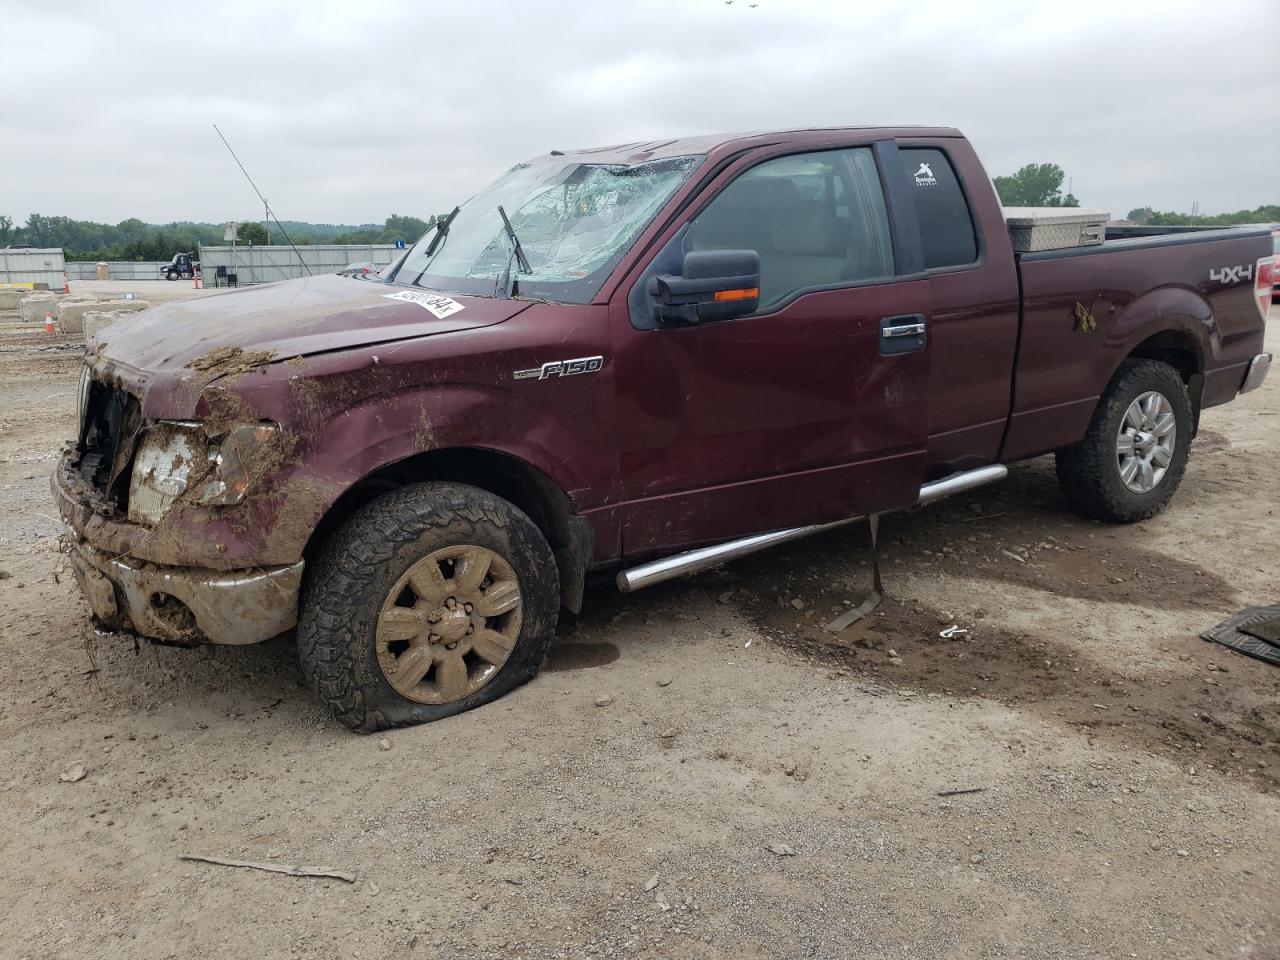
<point x="561" y="368"/>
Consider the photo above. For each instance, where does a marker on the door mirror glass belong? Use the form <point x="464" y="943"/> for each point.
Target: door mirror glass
<point x="712" y="285"/>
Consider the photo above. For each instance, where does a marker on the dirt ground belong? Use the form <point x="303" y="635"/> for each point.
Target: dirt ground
<point x="625" y="803"/>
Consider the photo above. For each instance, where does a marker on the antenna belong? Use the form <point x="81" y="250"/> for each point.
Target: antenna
<point x="266" y="206"/>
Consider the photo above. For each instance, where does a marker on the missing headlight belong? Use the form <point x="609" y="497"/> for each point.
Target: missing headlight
<point x="176" y="460"/>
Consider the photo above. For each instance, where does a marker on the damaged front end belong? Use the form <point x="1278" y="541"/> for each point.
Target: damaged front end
<point x="185" y="606"/>
<point x="109" y="422"/>
<point x="117" y="485"/>
<point x="206" y="464"/>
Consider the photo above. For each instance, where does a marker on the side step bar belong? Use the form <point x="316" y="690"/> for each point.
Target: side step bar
<point x="704" y="558"/>
<point x="960" y="482"/>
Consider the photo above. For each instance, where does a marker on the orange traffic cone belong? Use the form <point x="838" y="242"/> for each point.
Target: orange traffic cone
<point x="195" y="281"/>
<point x="48" y="324"/>
<point x="66" y="282"/>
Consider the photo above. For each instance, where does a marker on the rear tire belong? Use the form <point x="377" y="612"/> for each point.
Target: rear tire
<point x="1134" y="455"/>
<point x="428" y="601"/>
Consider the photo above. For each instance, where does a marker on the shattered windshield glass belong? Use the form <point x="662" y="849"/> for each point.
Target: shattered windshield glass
<point x="574" y="220"/>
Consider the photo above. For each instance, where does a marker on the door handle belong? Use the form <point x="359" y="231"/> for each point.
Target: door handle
<point x="905" y="333"/>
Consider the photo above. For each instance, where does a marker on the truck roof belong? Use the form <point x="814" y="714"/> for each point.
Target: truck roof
<point x="707" y="144"/>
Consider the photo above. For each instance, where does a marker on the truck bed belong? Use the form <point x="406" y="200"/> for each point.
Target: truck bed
<point x="1084" y="309"/>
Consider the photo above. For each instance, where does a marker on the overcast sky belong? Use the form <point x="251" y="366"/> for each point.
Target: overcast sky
<point x="347" y="112"/>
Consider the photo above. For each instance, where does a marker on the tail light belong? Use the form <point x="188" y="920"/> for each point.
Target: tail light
<point x="1264" y="277"/>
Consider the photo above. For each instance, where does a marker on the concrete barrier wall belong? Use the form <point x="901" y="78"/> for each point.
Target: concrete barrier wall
<point x="71" y="315"/>
<point x="117" y="269"/>
<point x="35" y="305"/>
<point x="96" y="320"/>
<point x="32" y="266"/>
<point x="268" y="264"/>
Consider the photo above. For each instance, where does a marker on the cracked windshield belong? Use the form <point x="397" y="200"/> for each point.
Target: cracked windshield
<point x="573" y="222"/>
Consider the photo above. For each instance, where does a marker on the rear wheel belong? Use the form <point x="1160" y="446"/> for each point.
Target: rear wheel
<point x="1132" y="459"/>
<point x="429" y="601"/>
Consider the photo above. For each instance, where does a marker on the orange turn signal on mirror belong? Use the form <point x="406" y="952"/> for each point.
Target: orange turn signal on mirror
<point x="750" y="293"/>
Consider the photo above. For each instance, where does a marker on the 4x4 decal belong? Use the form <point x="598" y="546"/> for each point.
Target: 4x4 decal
<point x="1230" y="275"/>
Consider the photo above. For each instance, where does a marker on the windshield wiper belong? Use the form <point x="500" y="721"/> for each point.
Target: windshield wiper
<point x="515" y="242"/>
<point x="517" y="253"/>
<point x="442" y="231"/>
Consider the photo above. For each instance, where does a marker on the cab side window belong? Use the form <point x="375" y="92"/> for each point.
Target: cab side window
<point x="946" y="226"/>
<point x="816" y="219"/>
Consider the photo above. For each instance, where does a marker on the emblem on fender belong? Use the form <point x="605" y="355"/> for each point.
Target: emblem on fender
<point x="561" y="368"/>
<point x="1229" y="275"/>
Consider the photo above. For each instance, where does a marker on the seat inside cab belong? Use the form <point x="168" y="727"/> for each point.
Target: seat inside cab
<point x="812" y="218"/>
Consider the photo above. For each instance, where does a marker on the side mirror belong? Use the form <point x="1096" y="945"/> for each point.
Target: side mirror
<point x="713" y="285"/>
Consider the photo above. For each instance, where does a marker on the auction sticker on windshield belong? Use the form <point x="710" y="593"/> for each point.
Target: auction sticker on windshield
<point x="440" y="306"/>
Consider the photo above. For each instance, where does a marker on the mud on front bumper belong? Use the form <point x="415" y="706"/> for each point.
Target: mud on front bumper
<point x="181" y="601"/>
<point x="185" y="605"/>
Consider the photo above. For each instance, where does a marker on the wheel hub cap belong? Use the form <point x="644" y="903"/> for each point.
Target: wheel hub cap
<point x="453" y="625"/>
<point x="1146" y="441"/>
<point x="449" y="624"/>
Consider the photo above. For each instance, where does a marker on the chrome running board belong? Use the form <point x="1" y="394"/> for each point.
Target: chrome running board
<point x="704" y="558"/>
<point x="960" y="482"/>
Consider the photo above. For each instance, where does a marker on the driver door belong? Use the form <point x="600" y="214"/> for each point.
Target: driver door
<point x="808" y="410"/>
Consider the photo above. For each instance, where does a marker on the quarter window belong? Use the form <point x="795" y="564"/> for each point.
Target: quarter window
<point x="946" y="226"/>
<point x="816" y="219"/>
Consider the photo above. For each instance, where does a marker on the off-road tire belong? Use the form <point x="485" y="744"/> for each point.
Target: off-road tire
<point x="1089" y="472"/>
<point x="348" y="582"/>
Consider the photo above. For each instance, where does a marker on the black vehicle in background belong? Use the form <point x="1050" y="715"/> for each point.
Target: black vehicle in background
<point x="181" y="267"/>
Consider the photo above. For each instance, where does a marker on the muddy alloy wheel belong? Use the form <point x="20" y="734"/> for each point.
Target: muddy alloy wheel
<point x="427" y="601"/>
<point x="449" y="624"/>
<point x="1134" y="453"/>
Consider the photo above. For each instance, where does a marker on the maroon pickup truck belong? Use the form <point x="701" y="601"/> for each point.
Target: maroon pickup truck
<point x="647" y="359"/>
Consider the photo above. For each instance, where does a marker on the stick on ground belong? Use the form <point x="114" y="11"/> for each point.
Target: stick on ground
<point x="285" y="868"/>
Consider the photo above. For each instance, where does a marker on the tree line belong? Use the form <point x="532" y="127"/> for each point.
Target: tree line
<point x="1034" y="185"/>
<point x="1267" y="213"/>
<point x="1040" y="185"/>
<point x="135" y="240"/>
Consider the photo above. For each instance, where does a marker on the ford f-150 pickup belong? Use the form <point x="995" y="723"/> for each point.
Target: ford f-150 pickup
<point x="643" y="359"/>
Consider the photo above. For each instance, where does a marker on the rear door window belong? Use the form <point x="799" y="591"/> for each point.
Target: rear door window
<point x="946" y="225"/>
<point x="816" y="219"/>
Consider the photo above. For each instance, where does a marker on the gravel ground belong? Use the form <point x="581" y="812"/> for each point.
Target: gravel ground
<point x="699" y="771"/>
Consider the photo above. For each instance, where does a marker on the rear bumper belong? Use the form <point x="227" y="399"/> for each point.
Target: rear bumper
<point x="187" y="606"/>
<point x="1258" y="370"/>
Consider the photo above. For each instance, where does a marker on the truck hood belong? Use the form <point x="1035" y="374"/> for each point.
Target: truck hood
<point x="293" y="318"/>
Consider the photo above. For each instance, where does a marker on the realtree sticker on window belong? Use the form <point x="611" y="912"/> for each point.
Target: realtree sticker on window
<point x="437" y="304"/>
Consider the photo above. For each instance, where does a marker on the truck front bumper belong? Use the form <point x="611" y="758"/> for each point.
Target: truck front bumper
<point x="1258" y="369"/>
<point x="185" y="605"/>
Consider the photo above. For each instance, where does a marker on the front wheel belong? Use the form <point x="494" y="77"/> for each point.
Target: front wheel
<point x="427" y="602"/>
<point x="1134" y="455"/>
<point x="172" y="275"/>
